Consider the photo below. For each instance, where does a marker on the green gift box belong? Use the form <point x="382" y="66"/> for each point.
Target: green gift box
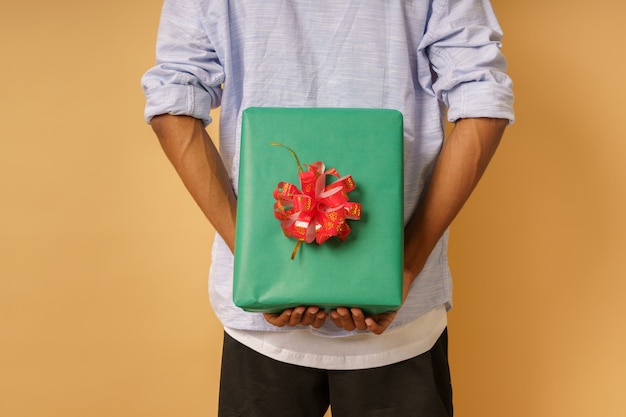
<point x="364" y="270"/>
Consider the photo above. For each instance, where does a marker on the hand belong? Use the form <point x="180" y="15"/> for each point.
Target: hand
<point x="298" y="316"/>
<point x="354" y="318"/>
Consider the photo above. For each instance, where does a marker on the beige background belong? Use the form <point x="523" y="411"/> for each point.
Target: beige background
<point x="103" y="256"/>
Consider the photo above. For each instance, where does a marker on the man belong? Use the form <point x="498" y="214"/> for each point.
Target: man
<point x="418" y="57"/>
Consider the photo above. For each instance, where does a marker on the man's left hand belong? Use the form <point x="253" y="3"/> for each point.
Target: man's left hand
<point x="299" y="316"/>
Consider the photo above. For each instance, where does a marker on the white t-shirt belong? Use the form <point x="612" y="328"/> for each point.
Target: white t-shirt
<point x="360" y="351"/>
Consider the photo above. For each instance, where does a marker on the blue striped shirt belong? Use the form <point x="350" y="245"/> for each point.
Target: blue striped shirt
<point x="429" y="59"/>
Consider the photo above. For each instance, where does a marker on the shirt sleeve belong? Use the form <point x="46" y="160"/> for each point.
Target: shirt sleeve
<point x="466" y="68"/>
<point x="188" y="75"/>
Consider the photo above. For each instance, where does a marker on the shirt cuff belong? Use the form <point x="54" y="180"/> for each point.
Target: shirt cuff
<point x="179" y="100"/>
<point x="480" y="99"/>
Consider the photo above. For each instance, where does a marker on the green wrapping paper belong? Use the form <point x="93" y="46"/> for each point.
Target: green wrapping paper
<point x="363" y="271"/>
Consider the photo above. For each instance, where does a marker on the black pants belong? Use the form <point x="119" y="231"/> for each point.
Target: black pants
<point x="253" y="385"/>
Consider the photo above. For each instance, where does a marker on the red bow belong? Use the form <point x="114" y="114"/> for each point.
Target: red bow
<point x="319" y="211"/>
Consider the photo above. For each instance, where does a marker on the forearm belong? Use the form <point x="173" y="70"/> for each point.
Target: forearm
<point x="196" y="160"/>
<point x="463" y="159"/>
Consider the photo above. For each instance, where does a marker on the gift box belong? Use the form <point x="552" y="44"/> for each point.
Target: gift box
<point x="359" y="267"/>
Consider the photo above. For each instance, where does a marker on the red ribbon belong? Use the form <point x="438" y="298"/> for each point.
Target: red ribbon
<point x="318" y="211"/>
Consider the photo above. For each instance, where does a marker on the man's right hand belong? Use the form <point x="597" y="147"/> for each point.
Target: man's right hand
<point x="298" y="316"/>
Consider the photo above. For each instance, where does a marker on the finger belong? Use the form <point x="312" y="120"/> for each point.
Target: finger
<point x="309" y="316"/>
<point x="345" y="319"/>
<point x="335" y="318"/>
<point x="296" y="316"/>
<point x="278" y="319"/>
<point x="379" y="324"/>
<point x="358" y="318"/>
<point x="320" y="319"/>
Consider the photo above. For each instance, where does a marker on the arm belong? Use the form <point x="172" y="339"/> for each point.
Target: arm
<point x="196" y="160"/>
<point x="461" y="163"/>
